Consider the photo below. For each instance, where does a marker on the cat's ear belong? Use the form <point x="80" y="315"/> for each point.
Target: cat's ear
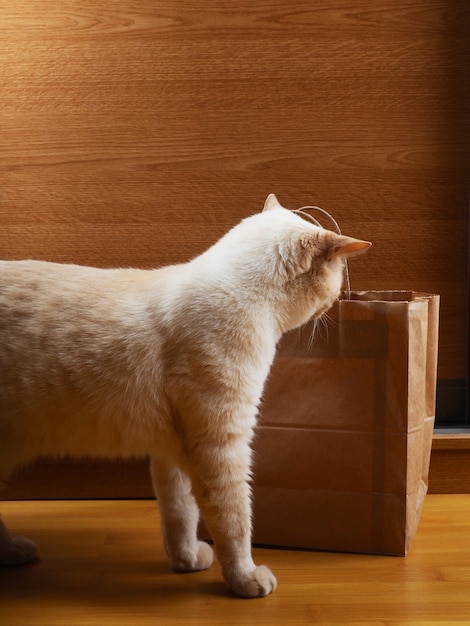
<point x="296" y="254"/>
<point x="271" y="203"/>
<point x="345" y="247"/>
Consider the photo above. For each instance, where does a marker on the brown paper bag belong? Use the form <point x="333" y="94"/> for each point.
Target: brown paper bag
<point x="343" y="448"/>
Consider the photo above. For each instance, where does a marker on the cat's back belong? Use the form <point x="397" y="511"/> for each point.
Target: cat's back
<point x="72" y="326"/>
<point x="58" y="305"/>
<point x="31" y="284"/>
<point x="46" y="306"/>
<point x="28" y="268"/>
<point x="40" y="278"/>
<point x="43" y="287"/>
<point x="76" y="341"/>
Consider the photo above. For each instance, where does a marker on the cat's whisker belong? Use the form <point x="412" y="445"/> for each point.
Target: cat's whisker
<point x="311" y="338"/>
<point x="321" y="326"/>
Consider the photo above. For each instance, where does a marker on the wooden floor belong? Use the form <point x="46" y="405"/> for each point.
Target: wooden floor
<point x="102" y="562"/>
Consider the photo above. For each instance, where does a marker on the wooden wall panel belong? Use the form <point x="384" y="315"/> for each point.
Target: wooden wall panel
<point x="136" y="133"/>
<point x="450" y="471"/>
<point x="67" y="479"/>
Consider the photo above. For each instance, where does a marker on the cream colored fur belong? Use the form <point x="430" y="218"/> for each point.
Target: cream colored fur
<point x="168" y="363"/>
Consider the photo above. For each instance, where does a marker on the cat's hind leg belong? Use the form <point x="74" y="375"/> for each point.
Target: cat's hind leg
<point x="179" y="518"/>
<point x="15" y="550"/>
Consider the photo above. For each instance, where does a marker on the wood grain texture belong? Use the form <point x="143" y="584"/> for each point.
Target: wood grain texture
<point x="103" y="563"/>
<point x="68" y="479"/>
<point x="136" y="133"/>
<point x="79" y="479"/>
<point x="460" y="441"/>
<point x="450" y="471"/>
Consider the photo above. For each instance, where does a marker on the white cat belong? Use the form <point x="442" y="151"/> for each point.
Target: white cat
<point x="168" y="363"/>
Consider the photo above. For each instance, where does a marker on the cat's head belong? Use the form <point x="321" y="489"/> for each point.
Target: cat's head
<point x="302" y="264"/>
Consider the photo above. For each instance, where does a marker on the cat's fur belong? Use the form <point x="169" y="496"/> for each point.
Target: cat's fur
<point x="168" y="363"/>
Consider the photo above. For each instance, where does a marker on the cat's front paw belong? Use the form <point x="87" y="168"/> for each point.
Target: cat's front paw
<point x="194" y="561"/>
<point x="18" y="551"/>
<point x="257" y="584"/>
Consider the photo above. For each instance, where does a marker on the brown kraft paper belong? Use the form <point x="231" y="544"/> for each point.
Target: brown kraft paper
<point x="341" y="455"/>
